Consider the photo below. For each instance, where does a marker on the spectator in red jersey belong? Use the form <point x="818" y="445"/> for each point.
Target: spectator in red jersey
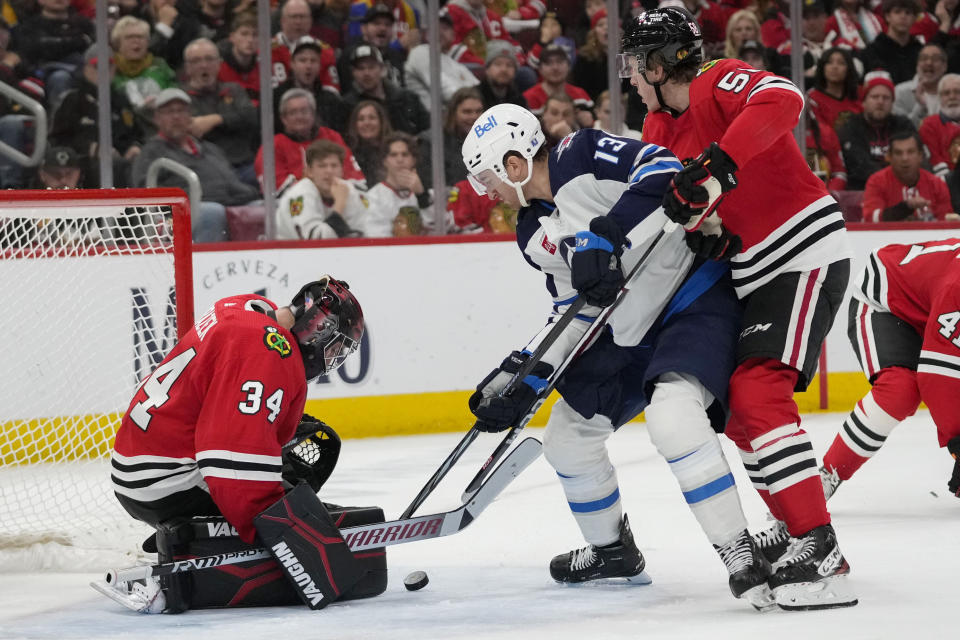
<point x="306" y="66"/>
<point x="917" y="98"/>
<point x="833" y="98"/>
<point x="239" y="53"/>
<point x="554" y="69"/>
<point x="298" y="113"/>
<point x="367" y="128"/>
<point x="473" y="213"/>
<point x="813" y="28"/>
<point x="295" y="23"/>
<point x="379" y="28"/>
<point x="824" y="155"/>
<point x="742" y="26"/>
<point x="712" y="19"/>
<point x="948" y="31"/>
<point x="590" y="69"/>
<point x="865" y="136"/>
<point x="904" y="190"/>
<point x="499" y="84"/>
<point x="222" y="112"/>
<point x="551" y="31"/>
<point x="51" y="44"/>
<point x="855" y="23"/>
<point x="895" y="50"/>
<point x="475" y="26"/>
<point x="177" y="24"/>
<point x="406" y="111"/>
<point x="933" y="129"/>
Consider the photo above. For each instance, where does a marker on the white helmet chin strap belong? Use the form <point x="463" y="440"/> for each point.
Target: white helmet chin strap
<point x="518" y="186"/>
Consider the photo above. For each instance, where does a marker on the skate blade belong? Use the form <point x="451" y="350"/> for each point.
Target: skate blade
<point x="829" y="593"/>
<point x="131" y="601"/>
<point x="760" y="597"/>
<point x="639" y="580"/>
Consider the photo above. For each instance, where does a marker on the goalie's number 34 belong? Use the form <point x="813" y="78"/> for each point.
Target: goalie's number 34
<point x="157" y="389"/>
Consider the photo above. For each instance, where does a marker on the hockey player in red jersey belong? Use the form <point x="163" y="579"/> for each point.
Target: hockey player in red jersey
<point x="903" y="325"/>
<point x="205" y="433"/>
<point x="791" y="272"/>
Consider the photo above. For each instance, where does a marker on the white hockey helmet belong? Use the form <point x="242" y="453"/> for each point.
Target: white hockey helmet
<point x="499" y="130"/>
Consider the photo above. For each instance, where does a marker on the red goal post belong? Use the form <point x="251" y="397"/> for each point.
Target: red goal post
<point x="98" y="286"/>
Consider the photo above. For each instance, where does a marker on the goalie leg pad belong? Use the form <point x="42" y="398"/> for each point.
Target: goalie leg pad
<point x="299" y="532"/>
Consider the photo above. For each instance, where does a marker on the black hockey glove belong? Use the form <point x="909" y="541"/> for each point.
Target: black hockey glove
<point x="714" y="246"/>
<point x="595" y="270"/>
<point x="498" y="411"/>
<point x="696" y="189"/>
<point x="954" y="448"/>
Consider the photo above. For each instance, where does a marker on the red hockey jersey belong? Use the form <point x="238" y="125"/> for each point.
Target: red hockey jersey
<point x="215" y="414"/>
<point x="472" y="30"/>
<point x="536" y="97"/>
<point x="281" y="57"/>
<point x="780" y="209"/>
<point x="884" y="190"/>
<point x="905" y="279"/>
<point x="290" y="155"/>
<point x="937" y="133"/>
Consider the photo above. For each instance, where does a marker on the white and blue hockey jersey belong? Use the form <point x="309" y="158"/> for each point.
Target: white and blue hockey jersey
<point x="593" y="173"/>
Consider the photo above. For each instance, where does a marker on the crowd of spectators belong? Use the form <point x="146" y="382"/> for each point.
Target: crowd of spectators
<point x="352" y="98"/>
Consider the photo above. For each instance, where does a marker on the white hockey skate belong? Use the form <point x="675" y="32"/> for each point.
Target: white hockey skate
<point x="142" y="596"/>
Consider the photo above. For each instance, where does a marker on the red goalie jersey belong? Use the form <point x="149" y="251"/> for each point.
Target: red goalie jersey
<point x="215" y="414"/>
<point x="915" y="282"/>
<point x="780" y="209"/>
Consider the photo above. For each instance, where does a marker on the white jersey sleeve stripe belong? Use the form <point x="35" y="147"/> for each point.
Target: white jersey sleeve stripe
<point x="236" y="456"/>
<point x="775" y="82"/>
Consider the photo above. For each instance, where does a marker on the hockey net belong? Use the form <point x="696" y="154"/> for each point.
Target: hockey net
<point x="97" y="286"/>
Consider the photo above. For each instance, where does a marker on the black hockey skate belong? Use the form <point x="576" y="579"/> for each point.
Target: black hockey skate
<point x="749" y="571"/>
<point x="773" y="541"/>
<point x="830" y="480"/>
<point x="619" y="560"/>
<point x="813" y="574"/>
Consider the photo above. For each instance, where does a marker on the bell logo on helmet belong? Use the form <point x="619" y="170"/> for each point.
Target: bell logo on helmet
<point x="481" y="129"/>
<point x="276" y="341"/>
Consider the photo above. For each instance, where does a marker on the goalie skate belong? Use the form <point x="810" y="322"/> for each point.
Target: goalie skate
<point x="621" y="560"/>
<point x="749" y="571"/>
<point x="142" y="596"/>
<point x="813" y="574"/>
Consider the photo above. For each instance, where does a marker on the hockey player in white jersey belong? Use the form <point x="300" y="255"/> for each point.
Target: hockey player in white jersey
<point x="594" y="200"/>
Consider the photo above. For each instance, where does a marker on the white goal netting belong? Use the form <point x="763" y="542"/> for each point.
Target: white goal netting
<point x="91" y="294"/>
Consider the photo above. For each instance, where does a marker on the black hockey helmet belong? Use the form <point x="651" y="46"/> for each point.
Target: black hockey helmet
<point x="328" y="324"/>
<point x="673" y="31"/>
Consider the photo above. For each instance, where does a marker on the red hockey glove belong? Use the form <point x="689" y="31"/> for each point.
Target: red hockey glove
<point x="697" y="188"/>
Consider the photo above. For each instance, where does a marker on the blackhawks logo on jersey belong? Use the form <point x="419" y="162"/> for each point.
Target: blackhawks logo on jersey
<point x="296" y="206"/>
<point x="707" y="66"/>
<point x="275" y="341"/>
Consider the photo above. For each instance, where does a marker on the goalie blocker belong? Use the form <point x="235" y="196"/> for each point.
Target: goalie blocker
<point x="311" y="564"/>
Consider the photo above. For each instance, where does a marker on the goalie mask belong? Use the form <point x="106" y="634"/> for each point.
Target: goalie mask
<point x="328" y="325"/>
<point x="499" y="130"/>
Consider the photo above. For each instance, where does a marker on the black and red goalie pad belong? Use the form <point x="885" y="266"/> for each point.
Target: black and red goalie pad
<point x="301" y="535"/>
<point x="258" y="583"/>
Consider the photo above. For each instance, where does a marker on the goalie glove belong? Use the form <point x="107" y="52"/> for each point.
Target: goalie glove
<point x="311" y="455"/>
<point x="595" y="270"/>
<point x="698" y="188"/>
<point x="954" y="448"/>
<point x="498" y="411"/>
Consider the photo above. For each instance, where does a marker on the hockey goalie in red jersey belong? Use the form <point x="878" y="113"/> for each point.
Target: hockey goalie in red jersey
<point x="211" y="430"/>
<point x="746" y="195"/>
<point x="904" y="325"/>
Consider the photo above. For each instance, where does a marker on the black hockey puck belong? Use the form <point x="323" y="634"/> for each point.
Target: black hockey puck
<point x="416" y="580"/>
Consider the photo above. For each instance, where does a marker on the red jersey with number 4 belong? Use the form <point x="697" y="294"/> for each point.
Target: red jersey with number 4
<point x="780" y="209"/>
<point x="906" y="279"/>
<point x="215" y="414"/>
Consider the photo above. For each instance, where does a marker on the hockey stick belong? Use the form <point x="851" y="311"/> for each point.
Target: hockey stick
<point x="472" y="433"/>
<point x="589" y="335"/>
<point x="367" y="536"/>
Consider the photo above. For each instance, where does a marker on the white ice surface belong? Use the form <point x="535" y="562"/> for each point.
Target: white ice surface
<point x="491" y="580"/>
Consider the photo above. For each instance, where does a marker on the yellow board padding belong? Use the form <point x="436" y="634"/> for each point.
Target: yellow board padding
<point x="79" y="437"/>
